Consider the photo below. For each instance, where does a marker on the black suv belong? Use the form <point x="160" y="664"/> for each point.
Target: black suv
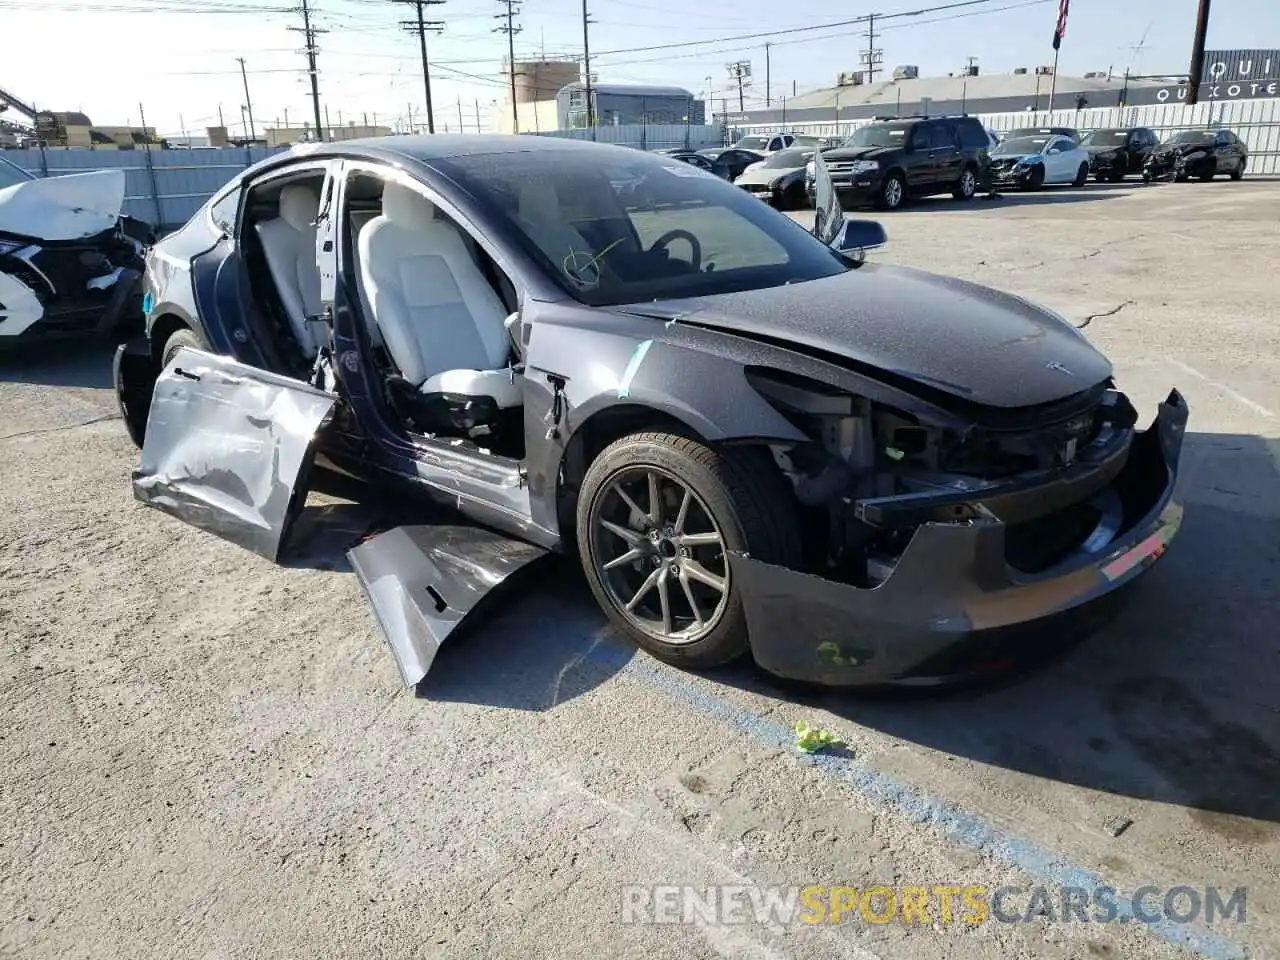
<point x="888" y="161"/>
<point x="1118" y="151"/>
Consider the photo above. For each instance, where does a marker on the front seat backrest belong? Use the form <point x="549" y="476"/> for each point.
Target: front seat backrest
<point x="433" y="306"/>
<point x="289" y="244"/>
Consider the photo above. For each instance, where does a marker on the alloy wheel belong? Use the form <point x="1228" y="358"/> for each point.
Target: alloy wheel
<point x="659" y="554"/>
<point x="968" y="183"/>
<point x="893" y="193"/>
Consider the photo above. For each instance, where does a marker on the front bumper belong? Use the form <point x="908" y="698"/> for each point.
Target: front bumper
<point x="1011" y="176"/>
<point x="1108" y="166"/>
<point x="952" y="602"/>
<point x="851" y="188"/>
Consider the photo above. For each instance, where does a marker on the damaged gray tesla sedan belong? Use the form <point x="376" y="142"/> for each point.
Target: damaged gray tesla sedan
<point x="756" y="441"/>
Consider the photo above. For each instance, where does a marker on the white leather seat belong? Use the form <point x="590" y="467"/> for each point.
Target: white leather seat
<point x="359" y="219"/>
<point x="442" y="322"/>
<point x="289" y="243"/>
<point x="543" y="219"/>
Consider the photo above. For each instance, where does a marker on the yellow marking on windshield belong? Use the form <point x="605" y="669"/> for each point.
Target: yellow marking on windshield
<point x="574" y="270"/>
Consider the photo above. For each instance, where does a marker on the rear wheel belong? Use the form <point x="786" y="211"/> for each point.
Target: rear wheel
<point x="1238" y="172"/>
<point x="892" y="192"/>
<point x="658" y="516"/>
<point x="182" y="337"/>
<point x="967" y="185"/>
<point x="1081" y="176"/>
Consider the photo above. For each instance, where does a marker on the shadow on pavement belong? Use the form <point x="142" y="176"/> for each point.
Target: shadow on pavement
<point x="67" y="363"/>
<point x="1175" y="701"/>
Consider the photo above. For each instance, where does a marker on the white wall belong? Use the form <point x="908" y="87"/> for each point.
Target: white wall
<point x="1256" y="122"/>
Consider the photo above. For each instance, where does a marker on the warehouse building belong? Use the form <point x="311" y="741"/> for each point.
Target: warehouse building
<point x="1233" y="75"/>
<point x="620" y="104"/>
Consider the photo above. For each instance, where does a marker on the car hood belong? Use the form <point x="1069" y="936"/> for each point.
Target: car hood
<point x="1173" y="149"/>
<point x="1103" y="149"/>
<point x="765" y="175"/>
<point x="858" y="153"/>
<point x="63" y="208"/>
<point x="1014" y="156"/>
<point x="978" y="344"/>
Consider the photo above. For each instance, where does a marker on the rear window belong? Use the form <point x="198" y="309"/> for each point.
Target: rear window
<point x="971" y="134"/>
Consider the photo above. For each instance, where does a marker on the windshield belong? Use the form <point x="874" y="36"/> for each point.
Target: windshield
<point x="789" y="158"/>
<point x="593" y="219"/>
<point x="1193" y="136"/>
<point x="752" y="143"/>
<point x="877" y="135"/>
<point x="1021" y="146"/>
<point x="1107" y="138"/>
<point x="11" y="174"/>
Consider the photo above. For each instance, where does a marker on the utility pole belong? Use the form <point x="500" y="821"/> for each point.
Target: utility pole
<point x="740" y="73"/>
<point x="309" y="33"/>
<point x="510" y="29"/>
<point x="873" y="55"/>
<point x="421" y="27"/>
<point x="248" y="102"/>
<point x="460" y="127"/>
<point x="586" y="63"/>
<point x="768" y="97"/>
<point x="1195" y="74"/>
<point x="477" y="114"/>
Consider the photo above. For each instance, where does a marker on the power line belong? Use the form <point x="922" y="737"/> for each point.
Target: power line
<point x="309" y="32"/>
<point x="248" y="103"/>
<point x="740" y="72"/>
<point x="790" y="30"/>
<point x="872" y="55"/>
<point x="586" y="66"/>
<point x="510" y="29"/>
<point x="421" y="27"/>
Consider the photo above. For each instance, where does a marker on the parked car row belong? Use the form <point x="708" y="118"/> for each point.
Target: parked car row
<point x="890" y="161"/>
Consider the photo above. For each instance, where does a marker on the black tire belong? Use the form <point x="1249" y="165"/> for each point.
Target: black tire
<point x="1037" y="178"/>
<point x="182" y="337"/>
<point x="891" y="197"/>
<point x="744" y="498"/>
<point x="1238" y="172"/>
<point x="1116" y="178"/>
<point x="1208" y="174"/>
<point x="1099" y="177"/>
<point x="1082" y="175"/>
<point x="967" y="185"/>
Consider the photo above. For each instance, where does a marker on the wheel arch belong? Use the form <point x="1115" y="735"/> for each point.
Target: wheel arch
<point x="591" y="437"/>
<point x="162" y="328"/>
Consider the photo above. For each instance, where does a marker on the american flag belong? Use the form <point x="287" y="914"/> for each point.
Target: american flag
<point x="1061" y="28"/>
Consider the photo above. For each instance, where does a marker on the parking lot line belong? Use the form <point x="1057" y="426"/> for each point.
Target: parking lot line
<point x="962" y="826"/>
<point x="1237" y="397"/>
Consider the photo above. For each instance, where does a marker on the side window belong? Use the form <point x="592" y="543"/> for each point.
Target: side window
<point x="788" y="140"/>
<point x="1222" y="139"/>
<point x="972" y="134"/>
<point x="224" y="209"/>
<point x="920" y="138"/>
<point x="941" y="137"/>
<point x="775" y="144"/>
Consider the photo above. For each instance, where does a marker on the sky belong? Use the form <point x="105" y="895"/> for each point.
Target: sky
<point x="176" y="59"/>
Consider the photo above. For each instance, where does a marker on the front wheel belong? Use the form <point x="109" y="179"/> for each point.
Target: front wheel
<point x="1036" y="180"/>
<point x="967" y="185"/>
<point x="1238" y="172"/>
<point x="1208" y="173"/>
<point x="182" y="337"/>
<point x="657" y="518"/>
<point x="892" y="192"/>
<point x="1081" y="176"/>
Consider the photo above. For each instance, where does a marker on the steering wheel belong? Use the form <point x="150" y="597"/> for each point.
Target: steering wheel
<point x="695" y="248"/>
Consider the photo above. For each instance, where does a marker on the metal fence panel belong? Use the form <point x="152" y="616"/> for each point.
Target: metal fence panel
<point x="653" y="136"/>
<point x="163" y="187"/>
<point x="1256" y="122"/>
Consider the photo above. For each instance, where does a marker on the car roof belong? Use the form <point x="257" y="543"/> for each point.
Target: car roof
<point x="423" y="150"/>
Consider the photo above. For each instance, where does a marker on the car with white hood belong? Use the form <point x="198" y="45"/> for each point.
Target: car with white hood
<point x="1031" y="162"/>
<point x="779" y="178"/>
<point x="70" y="261"/>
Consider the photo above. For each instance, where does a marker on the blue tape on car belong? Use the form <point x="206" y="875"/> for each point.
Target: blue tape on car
<point x="633" y="367"/>
<point x="147" y="303"/>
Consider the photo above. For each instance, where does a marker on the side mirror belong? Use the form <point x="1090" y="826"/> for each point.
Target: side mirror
<point x="860" y="235"/>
